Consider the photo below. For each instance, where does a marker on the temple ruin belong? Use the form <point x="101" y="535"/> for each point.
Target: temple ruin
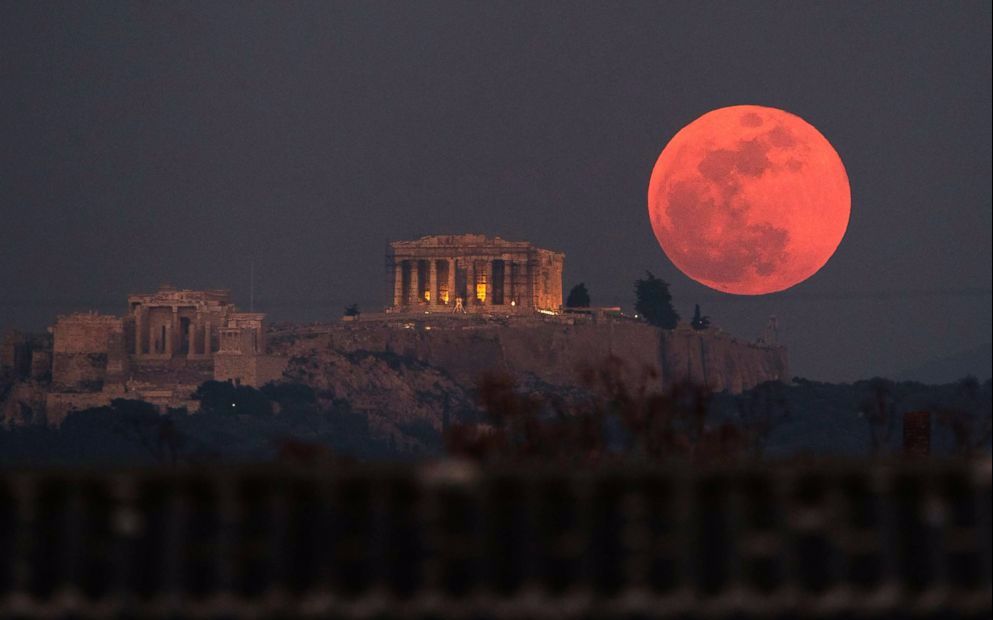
<point x="168" y="343"/>
<point x="474" y="273"/>
<point x="192" y="324"/>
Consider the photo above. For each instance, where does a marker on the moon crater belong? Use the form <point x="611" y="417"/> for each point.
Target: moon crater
<point x="749" y="200"/>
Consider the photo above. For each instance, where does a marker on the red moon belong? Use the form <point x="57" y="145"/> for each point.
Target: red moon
<point x="749" y="200"/>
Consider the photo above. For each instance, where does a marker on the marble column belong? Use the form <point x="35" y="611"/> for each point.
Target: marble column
<point x="177" y="331"/>
<point x="415" y="284"/>
<point x="433" y="282"/>
<point x="451" y="281"/>
<point x="201" y="325"/>
<point x="470" y="282"/>
<point x="139" y="323"/>
<point x="191" y="339"/>
<point x="532" y="284"/>
<point x="489" y="282"/>
<point x="206" y="338"/>
<point x="398" y="283"/>
<point x="506" y="283"/>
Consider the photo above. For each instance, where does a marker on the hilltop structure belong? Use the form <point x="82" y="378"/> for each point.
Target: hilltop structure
<point x="474" y="273"/>
<point x="192" y="324"/>
<point x="167" y="344"/>
<point x="463" y="306"/>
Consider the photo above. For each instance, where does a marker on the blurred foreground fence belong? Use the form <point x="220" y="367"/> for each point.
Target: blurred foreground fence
<point x="450" y="541"/>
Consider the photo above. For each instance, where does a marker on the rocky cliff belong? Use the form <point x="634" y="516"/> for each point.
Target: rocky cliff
<point x="408" y="374"/>
<point x="417" y="371"/>
<point x="554" y="351"/>
<point x="401" y="396"/>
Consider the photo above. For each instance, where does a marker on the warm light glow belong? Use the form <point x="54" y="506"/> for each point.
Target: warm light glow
<point x="749" y="200"/>
<point x="481" y="291"/>
<point x="427" y="295"/>
<point x="444" y="297"/>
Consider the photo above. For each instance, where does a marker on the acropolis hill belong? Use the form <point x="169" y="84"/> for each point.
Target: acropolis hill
<point x="462" y="306"/>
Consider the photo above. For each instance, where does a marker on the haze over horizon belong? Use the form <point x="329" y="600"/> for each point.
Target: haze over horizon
<point x="183" y="143"/>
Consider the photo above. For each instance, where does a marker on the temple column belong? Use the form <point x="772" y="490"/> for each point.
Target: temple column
<point x="398" y="283"/>
<point x="506" y="283"/>
<point x="415" y="284"/>
<point x="433" y="282"/>
<point x="451" y="282"/>
<point x="139" y="323"/>
<point x="508" y="287"/>
<point x="470" y="282"/>
<point x="532" y="285"/>
<point x="191" y="339"/>
<point x="201" y="321"/>
<point x="206" y="338"/>
<point x="489" y="282"/>
<point x="172" y="331"/>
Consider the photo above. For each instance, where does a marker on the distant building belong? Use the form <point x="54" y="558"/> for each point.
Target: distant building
<point x="192" y="324"/>
<point x="167" y="344"/>
<point x="474" y="273"/>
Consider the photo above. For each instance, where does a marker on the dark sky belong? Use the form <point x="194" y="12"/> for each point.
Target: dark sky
<point x="143" y="143"/>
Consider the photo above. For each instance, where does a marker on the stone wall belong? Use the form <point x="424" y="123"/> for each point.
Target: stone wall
<point x="41" y="365"/>
<point x="252" y="370"/>
<point x="554" y="352"/>
<point x="23" y="405"/>
<point x="84" y="332"/>
<point x="548" y="285"/>
<point x="58" y="405"/>
<point x="720" y="361"/>
<point x="15" y="354"/>
<point x="83" y="346"/>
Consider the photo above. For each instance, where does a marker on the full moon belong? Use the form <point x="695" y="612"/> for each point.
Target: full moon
<point x="749" y="200"/>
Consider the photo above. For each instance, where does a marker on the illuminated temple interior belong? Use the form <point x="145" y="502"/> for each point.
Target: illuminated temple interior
<point x="474" y="273"/>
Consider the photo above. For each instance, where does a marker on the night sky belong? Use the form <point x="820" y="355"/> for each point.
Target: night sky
<point x="144" y="143"/>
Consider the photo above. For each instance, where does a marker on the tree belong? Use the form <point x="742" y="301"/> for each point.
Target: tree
<point x="578" y="297"/>
<point x="224" y="397"/>
<point x="142" y="423"/>
<point x="653" y="301"/>
<point x="291" y="397"/>
<point x="699" y="321"/>
<point x="879" y="408"/>
<point x="352" y="310"/>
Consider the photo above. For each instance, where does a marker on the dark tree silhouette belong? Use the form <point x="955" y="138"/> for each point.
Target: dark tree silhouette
<point x="578" y="297"/>
<point x="352" y="310"/>
<point x="295" y="397"/>
<point x="621" y="421"/>
<point x="967" y="419"/>
<point x="879" y="408"/>
<point x="141" y="423"/>
<point x="699" y="321"/>
<point x="653" y="301"/>
<point x="226" y="398"/>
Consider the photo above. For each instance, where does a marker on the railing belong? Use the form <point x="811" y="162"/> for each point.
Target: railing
<point x="452" y="541"/>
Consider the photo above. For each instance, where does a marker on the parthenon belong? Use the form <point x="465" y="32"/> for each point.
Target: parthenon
<point x="474" y="273"/>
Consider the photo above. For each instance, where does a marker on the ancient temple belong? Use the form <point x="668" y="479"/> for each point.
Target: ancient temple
<point x="192" y="324"/>
<point x="474" y="273"/>
<point x="167" y="344"/>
